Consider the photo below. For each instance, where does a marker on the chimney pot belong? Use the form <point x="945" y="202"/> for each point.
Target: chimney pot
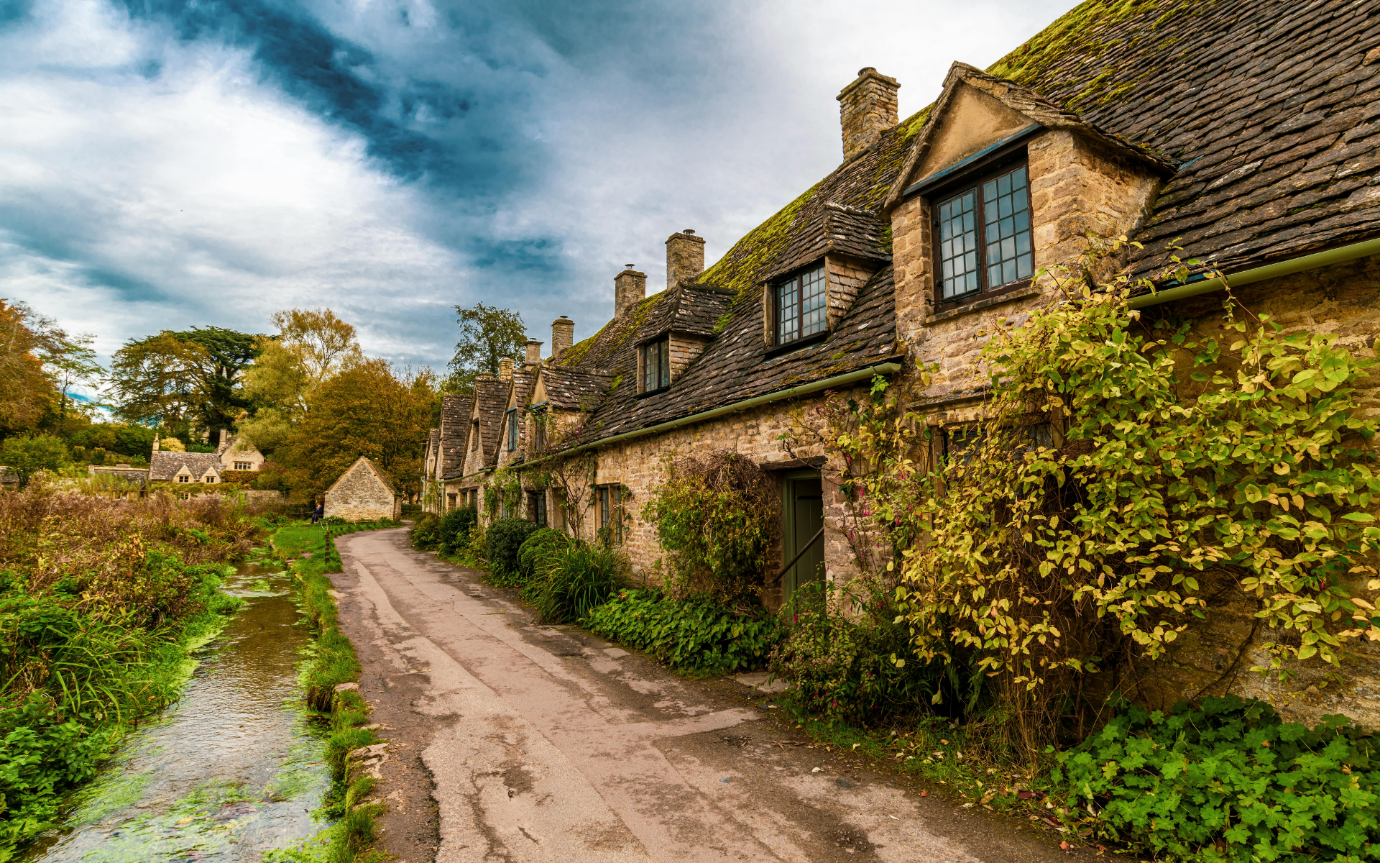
<point x="562" y="336"/>
<point x="505" y="369"/>
<point x="684" y="257"/>
<point x="533" y="352"/>
<point x="867" y="107"/>
<point x="629" y="289"/>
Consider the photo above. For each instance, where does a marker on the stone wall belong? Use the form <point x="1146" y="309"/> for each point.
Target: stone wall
<point x="359" y="495"/>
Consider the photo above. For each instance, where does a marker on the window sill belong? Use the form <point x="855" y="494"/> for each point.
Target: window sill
<point x="984" y="304"/>
<point x="789" y="347"/>
<point x="649" y="393"/>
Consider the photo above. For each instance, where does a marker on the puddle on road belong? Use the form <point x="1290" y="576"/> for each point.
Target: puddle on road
<point x="230" y="771"/>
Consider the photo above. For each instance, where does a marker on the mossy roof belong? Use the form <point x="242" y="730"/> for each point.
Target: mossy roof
<point x="1268" y="110"/>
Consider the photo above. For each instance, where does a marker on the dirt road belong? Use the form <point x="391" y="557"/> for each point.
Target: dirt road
<point x="515" y="742"/>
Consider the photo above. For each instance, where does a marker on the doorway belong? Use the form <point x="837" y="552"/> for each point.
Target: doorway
<point x="803" y="510"/>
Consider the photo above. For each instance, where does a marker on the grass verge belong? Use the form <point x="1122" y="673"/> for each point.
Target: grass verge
<point x="329" y="680"/>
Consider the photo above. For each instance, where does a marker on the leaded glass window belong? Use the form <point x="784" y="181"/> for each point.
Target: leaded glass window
<point x="982" y="236"/>
<point x="656" y="365"/>
<point x="800" y="306"/>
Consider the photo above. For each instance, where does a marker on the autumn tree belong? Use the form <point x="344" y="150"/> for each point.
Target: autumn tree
<point x="487" y="335"/>
<point x="310" y="348"/>
<point x="26" y="390"/>
<point x="365" y="410"/>
<point x="158" y="380"/>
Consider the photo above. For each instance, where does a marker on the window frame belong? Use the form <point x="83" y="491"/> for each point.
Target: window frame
<point x="244" y="465"/>
<point x="973" y="181"/>
<point x="609" y="503"/>
<point x="662" y="346"/>
<point x="538" y="428"/>
<point x="512" y="429"/>
<point x="474" y="435"/>
<point x="536" y="505"/>
<point x="774" y="289"/>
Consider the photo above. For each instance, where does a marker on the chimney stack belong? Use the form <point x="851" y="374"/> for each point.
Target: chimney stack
<point x="629" y="289"/>
<point x="867" y="107"/>
<point x="505" y="369"/>
<point x="684" y="257"/>
<point x="155" y="443"/>
<point x="562" y="336"/>
<point x="533" y="352"/>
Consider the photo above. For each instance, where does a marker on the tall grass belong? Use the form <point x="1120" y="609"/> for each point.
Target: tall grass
<point x="99" y="601"/>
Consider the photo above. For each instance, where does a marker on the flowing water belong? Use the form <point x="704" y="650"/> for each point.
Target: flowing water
<point x="230" y="771"/>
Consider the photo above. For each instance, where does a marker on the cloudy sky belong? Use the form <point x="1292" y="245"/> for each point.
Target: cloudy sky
<point x="170" y="163"/>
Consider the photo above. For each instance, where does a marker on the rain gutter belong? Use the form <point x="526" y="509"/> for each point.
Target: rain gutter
<point x="1339" y="255"/>
<point x="780" y="395"/>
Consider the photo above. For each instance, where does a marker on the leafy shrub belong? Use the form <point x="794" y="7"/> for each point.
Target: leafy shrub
<point x="425" y="533"/>
<point x="455" y="527"/>
<point x="1231" y="782"/>
<point x="271" y="477"/>
<point x="687" y="635"/>
<point x="851" y="661"/>
<point x="541" y="551"/>
<point x="505" y="539"/>
<point x="581" y="579"/>
<point x="717" y="515"/>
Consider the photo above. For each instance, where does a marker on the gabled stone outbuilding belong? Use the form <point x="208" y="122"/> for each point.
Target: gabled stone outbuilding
<point x="363" y="493"/>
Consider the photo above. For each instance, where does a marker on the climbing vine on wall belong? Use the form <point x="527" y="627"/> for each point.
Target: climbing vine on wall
<point x="1127" y="477"/>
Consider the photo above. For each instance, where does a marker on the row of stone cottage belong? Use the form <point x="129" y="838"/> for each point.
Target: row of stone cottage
<point x="1251" y="141"/>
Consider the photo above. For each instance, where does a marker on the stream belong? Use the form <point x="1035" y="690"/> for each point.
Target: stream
<point x="229" y="771"/>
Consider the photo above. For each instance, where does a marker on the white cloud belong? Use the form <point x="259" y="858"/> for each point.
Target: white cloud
<point x="194" y="196"/>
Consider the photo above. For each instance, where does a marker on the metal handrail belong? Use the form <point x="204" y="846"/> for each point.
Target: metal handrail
<point x="798" y="555"/>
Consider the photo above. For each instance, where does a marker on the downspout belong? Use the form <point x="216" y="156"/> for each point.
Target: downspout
<point x="1339" y="255"/>
<point x="804" y="389"/>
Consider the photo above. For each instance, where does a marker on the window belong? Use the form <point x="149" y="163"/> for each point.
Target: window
<point x="512" y="429"/>
<point x="536" y="507"/>
<point x="184" y="478"/>
<point x="244" y="465"/>
<point x="656" y="365"/>
<point x="539" y="429"/>
<point x="611" y="513"/>
<point x="209" y="479"/>
<point x="474" y="434"/>
<point x="982" y="236"/>
<point x="799" y="306"/>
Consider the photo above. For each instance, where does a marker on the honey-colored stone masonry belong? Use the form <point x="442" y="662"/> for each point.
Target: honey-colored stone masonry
<point x="361" y="494"/>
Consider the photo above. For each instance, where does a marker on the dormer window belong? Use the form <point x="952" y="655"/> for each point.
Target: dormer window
<point x="982" y="237"/>
<point x="474" y="435"/>
<point x="512" y="429"/>
<point x="799" y="306"/>
<point x="656" y="365"/>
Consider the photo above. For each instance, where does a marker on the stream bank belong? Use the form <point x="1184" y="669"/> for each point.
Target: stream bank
<point x="231" y="770"/>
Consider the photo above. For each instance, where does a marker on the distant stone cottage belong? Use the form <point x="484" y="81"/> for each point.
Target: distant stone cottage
<point x="363" y="493"/>
<point x="1247" y="134"/>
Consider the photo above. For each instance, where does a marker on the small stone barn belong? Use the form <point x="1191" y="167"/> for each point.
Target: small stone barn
<point x="1245" y="135"/>
<point x="363" y="493"/>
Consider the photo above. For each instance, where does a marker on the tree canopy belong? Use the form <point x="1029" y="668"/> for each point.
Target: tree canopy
<point x="183" y="379"/>
<point x="487" y="335"/>
<point x="365" y="410"/>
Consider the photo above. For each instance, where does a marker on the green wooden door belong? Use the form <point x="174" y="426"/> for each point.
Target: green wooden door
<point x="804" y="512"/>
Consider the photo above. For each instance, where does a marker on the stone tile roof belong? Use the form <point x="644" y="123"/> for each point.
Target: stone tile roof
<point x="164" y="465"/>
<point x="491" y="398"/>
<point x="828" y="226"/>
<point x="1269" y="114"/>
<point x="574" y="389"/>
<point x="1272" y="111"/>
<point x="453" y="435"/>
<point x="692" y="308"/>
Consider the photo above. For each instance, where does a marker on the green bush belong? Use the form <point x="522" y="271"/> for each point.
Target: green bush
<point x="690" y="636"/>
<point x="1231" y="782"/>
<point x="455" y="527"/>
<point x="581" y="579"/>
<point x="850" y="660"/>
<point x="425" y="533"/>
<point x="505" y="539"/>
<point x="541" y="550"/>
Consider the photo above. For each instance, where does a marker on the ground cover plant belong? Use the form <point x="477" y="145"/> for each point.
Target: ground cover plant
<point x="100" y="601"/>
<point x="1229" y="781"/>
<point x="689" y="636"/>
